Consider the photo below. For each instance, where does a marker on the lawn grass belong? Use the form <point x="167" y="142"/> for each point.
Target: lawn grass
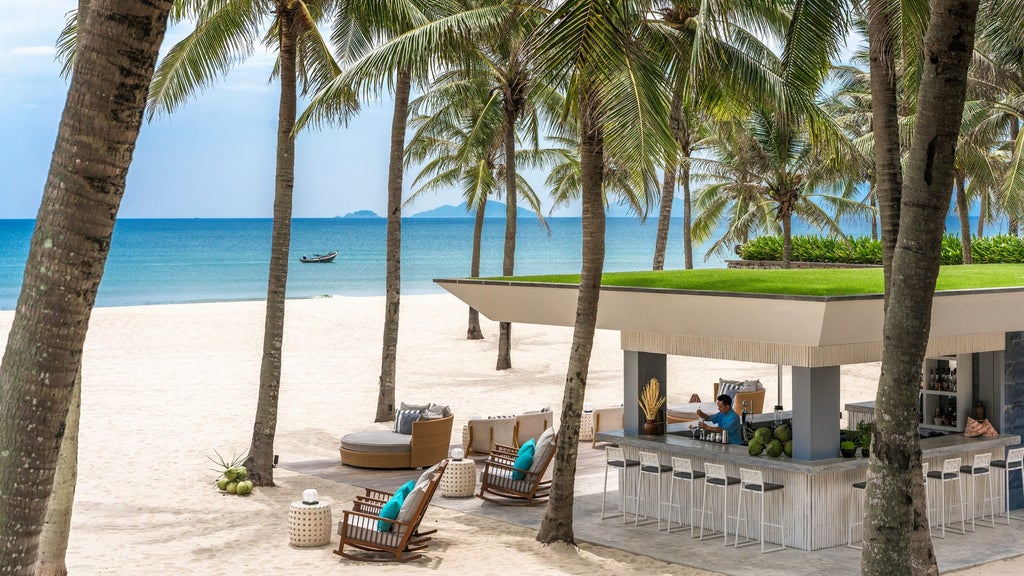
<point x="808" y="282"/>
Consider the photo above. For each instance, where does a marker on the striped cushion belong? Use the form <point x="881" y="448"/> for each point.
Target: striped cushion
<point x="404" y="420"/>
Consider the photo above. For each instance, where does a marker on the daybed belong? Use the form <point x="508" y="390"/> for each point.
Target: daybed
<point x="427" y="445"/>
<point x="606" y="419"/>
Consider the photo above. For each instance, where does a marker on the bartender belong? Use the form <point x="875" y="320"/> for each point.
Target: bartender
<point x="725" y="421"/>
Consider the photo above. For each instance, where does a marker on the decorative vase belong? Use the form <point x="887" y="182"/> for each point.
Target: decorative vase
<point x="650" y="428"/>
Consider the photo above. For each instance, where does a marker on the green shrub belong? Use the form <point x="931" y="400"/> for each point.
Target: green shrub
<point x="1001" y="249"/>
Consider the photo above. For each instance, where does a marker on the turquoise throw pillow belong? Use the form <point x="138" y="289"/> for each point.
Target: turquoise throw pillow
<point x="524" y="459"/>
<point x="390" y="511"/>
<point x="404" y="489"/>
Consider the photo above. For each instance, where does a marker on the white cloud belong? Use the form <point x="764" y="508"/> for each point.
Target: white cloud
<point x="33" y="51"/>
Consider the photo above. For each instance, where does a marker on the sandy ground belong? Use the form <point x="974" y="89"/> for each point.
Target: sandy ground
<point x="165" y="386"/>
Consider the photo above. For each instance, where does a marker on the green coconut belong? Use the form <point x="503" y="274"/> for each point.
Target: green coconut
<point x="788" y="448"/>
<point x="774" y="448"/>
<point x="763" y="434"/>
<point x="784" y="433"/>
<point x="755" y="447"/>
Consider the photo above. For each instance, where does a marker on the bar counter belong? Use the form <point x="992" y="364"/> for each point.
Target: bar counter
<point x="817" y="493"/>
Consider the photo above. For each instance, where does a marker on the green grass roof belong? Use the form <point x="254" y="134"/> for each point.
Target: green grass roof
<point x="816" y="282"/>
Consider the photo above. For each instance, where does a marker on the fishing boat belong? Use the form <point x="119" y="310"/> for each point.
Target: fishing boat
<point x="319" y="258"/>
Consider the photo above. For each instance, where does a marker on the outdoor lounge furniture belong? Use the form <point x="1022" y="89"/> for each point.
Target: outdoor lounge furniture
<point x="482" y="434"/>
<point x="530" y="425"/>
<point x="606" y="419"/>
<point x="427" y="445"/>
<point x="502" y="483"/>
<point x="360" y="528"/>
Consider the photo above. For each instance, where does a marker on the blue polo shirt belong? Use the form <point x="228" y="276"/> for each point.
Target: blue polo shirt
<point x="731" y="423"/>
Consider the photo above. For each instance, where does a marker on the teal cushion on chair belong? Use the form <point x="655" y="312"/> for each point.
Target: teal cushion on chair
<point x="524" y="459"/>
<point x="390" y="511"/>
<point x="404" y="489"/>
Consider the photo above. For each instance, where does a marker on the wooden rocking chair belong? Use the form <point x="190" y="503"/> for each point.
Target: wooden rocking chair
<point x="498" y="482"/>
<point x="402" y="543"/>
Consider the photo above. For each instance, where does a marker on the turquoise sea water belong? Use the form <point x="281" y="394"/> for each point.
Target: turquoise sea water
<point x="154" y="261"/>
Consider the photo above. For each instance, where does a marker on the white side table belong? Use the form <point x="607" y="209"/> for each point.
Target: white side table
<point x="459" y="480"/>
<point x="309" y="525"/>
<point x="587" y="426"/>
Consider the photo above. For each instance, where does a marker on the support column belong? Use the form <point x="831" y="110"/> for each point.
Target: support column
<point x="1012" y="406"/>
<point x="815" y="413"/>
<point x="638" y="368"/>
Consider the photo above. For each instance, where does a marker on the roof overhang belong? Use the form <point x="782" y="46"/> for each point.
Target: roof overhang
<point x="769" y="328"/>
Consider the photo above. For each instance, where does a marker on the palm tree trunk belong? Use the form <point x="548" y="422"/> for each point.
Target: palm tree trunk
<point x="896" y="531"/>
<point x="873" y="202"/>
<point x="508" y="263"/>
<point x="114" y="65"/>
<point x="473" y="331"/>
<point x="787" y="239"/>
<point x="965" y="222"/>
<point x="1014" y="218"/>
<point x="53" y="542"/>
<point x="687" y="203"/>
<point x="668" y="186"/>
<point x="393" y="278"/>
<point x="885" y="123"/>
<point x="260" y="461"/>
<point x="556" y="526"/>
<point x="983" y="213"/>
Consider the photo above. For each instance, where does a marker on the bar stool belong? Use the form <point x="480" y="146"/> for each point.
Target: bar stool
<point x="716" y="479"/>
<point x="979" y="468"/>
<point x="650" y="466"/>
<point x="927" y="497"/>
<point x="752" y="483"/>
<point x="615" y="458"/>
<point x="682" y="472"/>
<point x="950" y="473"/>
<point x="859" y="489"/>
<point x="1014" y="461"/>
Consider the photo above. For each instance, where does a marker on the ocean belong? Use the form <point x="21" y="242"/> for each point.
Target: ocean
<point x="165" y="261"/>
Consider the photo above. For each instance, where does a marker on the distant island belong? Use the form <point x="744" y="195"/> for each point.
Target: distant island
<point x="493" y="210"/>
<point x="361" y="214"/>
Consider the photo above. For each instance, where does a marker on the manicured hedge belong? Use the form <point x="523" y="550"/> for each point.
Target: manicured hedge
<point x="1002" y="249"/>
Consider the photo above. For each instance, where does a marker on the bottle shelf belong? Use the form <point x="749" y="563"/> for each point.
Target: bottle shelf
<point x="945" y="394"/>
<point x="940" y="393"/>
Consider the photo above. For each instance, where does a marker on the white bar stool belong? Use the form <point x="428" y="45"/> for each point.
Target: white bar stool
<point x="752" y="483"/>
<point x="682" y="472"/>
<point x="859" y="489"/>
<point x="979" y="469"/>
<point x="652" y="468"/>
<point x="716" y="479"/>
<point x="616" y="458"/>
<point x="1014" y="461"/>
<point x="950" y="473"/>
<point x="927" y="497"/>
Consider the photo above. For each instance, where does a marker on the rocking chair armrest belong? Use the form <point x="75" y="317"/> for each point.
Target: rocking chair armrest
<point x="375" y="517"/>
<point x="505" y="466"/>
<point x="368" y="507"/>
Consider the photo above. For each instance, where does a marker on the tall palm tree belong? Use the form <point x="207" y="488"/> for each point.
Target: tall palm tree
<point x="116" y="52"/>
<point x="226" y="32"/>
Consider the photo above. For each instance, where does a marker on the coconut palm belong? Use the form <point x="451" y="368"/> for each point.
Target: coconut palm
<point x="226" y="32"/>
<point x="116" y="52"/>
<point x="459" y="135"/>
<point x="765" y="171"/>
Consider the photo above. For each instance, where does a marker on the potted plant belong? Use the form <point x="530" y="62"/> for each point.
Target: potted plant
<point x="651" y="403"/>
<point x="864" y="431"/>
<point x="847" y="448"/>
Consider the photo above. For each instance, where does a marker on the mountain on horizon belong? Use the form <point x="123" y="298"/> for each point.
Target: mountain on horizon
<point x="360" y="214"/>
<point x="493" y="210"/>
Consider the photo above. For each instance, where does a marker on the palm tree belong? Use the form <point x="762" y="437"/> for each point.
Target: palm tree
<point x="767" y="169"/>
<point x="116" y="53"/>
<point x="459" y="134"/>
<point x="225" y="33"/>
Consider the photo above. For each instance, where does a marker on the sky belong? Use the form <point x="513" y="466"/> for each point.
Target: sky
<point x="213" y="158"/>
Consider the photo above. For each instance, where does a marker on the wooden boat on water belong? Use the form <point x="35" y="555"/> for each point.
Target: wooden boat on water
<point x="319" y="258"/>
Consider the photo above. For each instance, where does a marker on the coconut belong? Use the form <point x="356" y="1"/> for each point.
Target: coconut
<point x="244" y="487"/>
<point x="788" y="448"/>
<point x="232" y="487"/>
<point x="774" y="448"/>
<point x="755" y="447"/>
<point x="763" y="434"/>
<point x="222" y="483"/>
<point x="784" y="433"/>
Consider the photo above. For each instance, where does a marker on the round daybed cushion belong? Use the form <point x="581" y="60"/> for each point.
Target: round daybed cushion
<point x="377" y="442"/>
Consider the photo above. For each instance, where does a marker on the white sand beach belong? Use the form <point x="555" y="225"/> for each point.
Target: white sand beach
<point x="165" y="386"/>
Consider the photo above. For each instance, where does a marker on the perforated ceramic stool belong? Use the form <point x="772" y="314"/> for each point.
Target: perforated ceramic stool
<point x="616" y="459"/>
<point x="651" y="470"/>
<point x="309" y="525"/>
<point x="682" y="473"/>
<point x="716" y="481"/>
<point x="859" y="488"/>
<point x="1014" y="462"/>
<point x="979" y="470"/>
<point x="949" y="474"/>
<point x="752" y="485"/>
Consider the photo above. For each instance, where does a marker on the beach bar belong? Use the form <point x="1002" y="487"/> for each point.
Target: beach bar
<point x="980" y="333"/>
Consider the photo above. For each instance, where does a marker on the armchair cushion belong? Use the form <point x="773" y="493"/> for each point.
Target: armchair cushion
<point x="524" y="459"/>
<point x="416" y="407"/>
<point x="390" y="511"/>
<point x="545" y="443"/>
<point x="436" y="412"/>
<point x="404" y="420"/>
